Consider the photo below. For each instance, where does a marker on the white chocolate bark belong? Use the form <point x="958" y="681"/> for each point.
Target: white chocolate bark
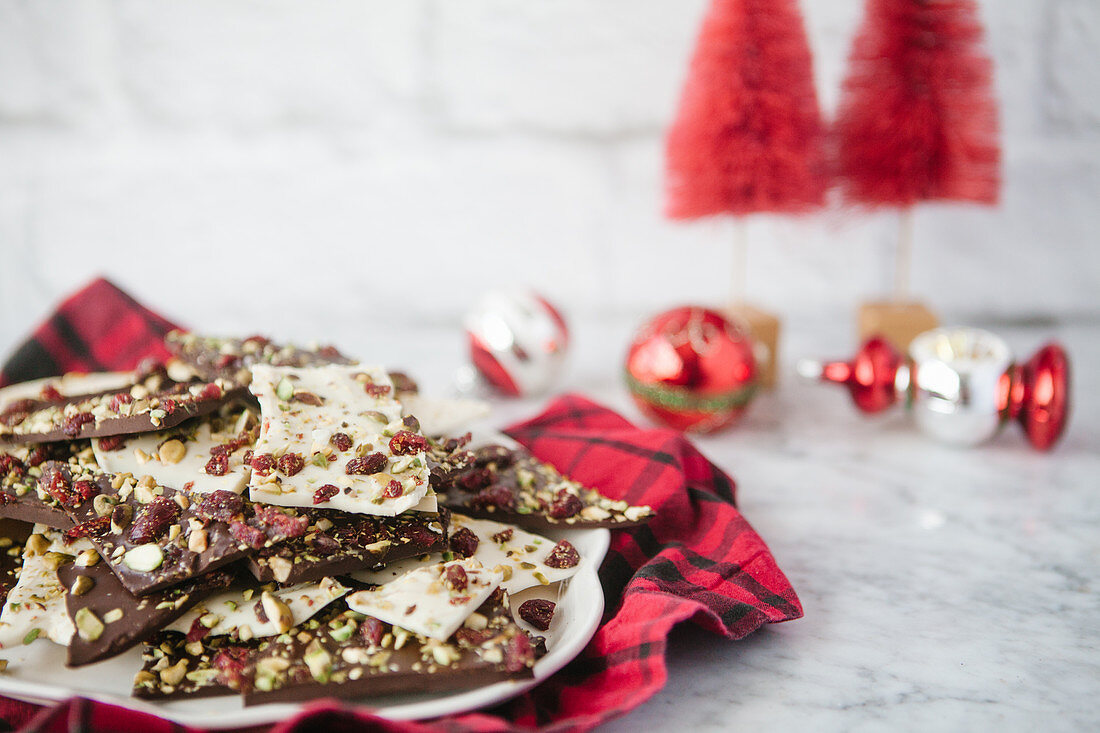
<point x="143" y="455"/>
<point x="37" y="600"/>
<point x="523" y="554"/>
<point x="423" y="602"/>
<point x="236" y="609"/>
<point x="291" y="424"/>
<point x="67" y="385"/>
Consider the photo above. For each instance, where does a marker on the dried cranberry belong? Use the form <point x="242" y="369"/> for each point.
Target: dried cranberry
<point x="251" y="536"/>
<point x="73" y="425"/>
<point x="341" y="441"/>
<point x="218" y="465"/>
<point x="262" y="463"/>
<point x="405" y="443"/>
<point x="518" y="654"/>
<point x="55" y="483"/>
<point x="220" y="505"/>
<point x="85" y="489"/>
<point x="503" y="535"/>
<point x="153" y="521"/>
<point x="376" y="390"/>
<point x="198" y="631"/>
<point x="226" y="361"/>
<point x="120" y="399"/>
<point x="538" y="612"/>
<point x="469" y="637"/>
<point x="495" y="454"/>
<point x="169" y="406"/>
<point x="393" y="490"/>
<point x="307" y="398"/>
<point x="92" y="528"/>
<point x="456" y="578"/>
<point x="247" y="457"/>
<point x="230" y="663"/>
<point x="403" y="382"/>
<point x="11" y="464"/>
<point x="564" y="555"/>
<point x="259" y="340"/>
<point x="38" y="456"/>
<point x="474" y="479"/>
<point x="291" y="463"/>
<point x="112" y="443"/>
<point x="365" y="466"/>
<point x="566" y="504"/>
<point x="50" y="394"/>
<point x="372" y="630"/>
<point x="284" y="525"/>
<point x="417" y="534"/>
<point x="210" y="392"/>
<point x="497" y="496"/>
<point x="325" y="493"/>
<point x="464" y="542"/>
<point x="222" y="449"/>
<point x="323" y="546"/>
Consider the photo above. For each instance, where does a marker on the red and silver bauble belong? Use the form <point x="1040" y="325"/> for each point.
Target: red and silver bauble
<point x="518" y="342"/>
<point x="961" y="383"/>
<point x="691" y="369"/>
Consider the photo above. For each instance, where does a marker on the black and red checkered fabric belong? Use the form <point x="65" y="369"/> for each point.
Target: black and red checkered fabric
<point x="98" y="329"/>
<point x="699" y="560"/>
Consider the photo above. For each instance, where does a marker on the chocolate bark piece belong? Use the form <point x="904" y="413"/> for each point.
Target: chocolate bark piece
<point x="153" y="536"/>
<point x="154" y="403"/>
<point x="349" y="655"/>
<point x="67" y="386"/>
<point x="173" y="667"/>
<point x="13" y="534"/>
<point x="511" y="485"/>
<point x="212" y="357"/>
<point x="21" y="498"/>
<point x="109" y="619"/>
<point x="337" y="543"/>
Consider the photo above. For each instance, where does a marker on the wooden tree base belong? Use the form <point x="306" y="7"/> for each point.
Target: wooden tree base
<point x="763" y="328"/>
<point x="897" y="322"/>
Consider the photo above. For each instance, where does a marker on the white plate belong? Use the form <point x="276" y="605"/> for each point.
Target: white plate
<point x="37" y="673"/>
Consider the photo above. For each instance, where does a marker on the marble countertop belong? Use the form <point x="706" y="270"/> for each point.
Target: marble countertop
<point x="944" y="588"/>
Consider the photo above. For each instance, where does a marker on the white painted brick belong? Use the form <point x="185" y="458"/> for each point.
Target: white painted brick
<point x="562" y="65"/>
<point x="1073" y="99"/>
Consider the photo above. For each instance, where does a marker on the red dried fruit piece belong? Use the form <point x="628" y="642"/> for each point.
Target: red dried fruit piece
<point x="393" y="490"/>
<point x="168" y="406"/>
<point x="504" y="535"/>
<point x="494" y="454"/>
<point x="210" y="392"/>
<point x="417" y="534"/>
<point x="85" y="489"/>
<point x="112" y="443"/>
<point x="92" y="528"/>
<point x="220" y="505"/>
<point x="198" y="631"/>
<point x="120" y="399"/>
<point x="291" y="463"/>
<point x="154" y="520"/>
<point x="518" y="654"/>
<point x="218" y="465"/>
<point x="464" y="542"/>
<point x="261" y="614"/>
<point x="11" y="464"/>
<point x="17" y="412"/>
<point x="474" y="479"/>
<point x="307" y="398"/>
<point x="341" y="441"/>
<point x="231" y="663"/>
<point x="405" y="443"/>
<point x="566" y="504"/>
<point x="73" y="425"/>
<point x="456" y="577"/>
<point x="38" y="456"/>
<point x="322" y="545"/>
<point x="55" y="483"/>
<point x="538" y="612"/>
<point x="262" y="463"/>
<point x="376" y="390"/>
<point x="468" y="637"/>
<point x="251" y="536"/>
<point x="325" y="493"/>
<point x="50" y="394"/>
<point x="371" y="630"/>
<point x="247" y="457"/>
<point x="367" y="465"/>
<point x="497" y="496"/>
<point x="227" y="360"/>
<point x="283" y="524"/>
<point x="564" y="555"/>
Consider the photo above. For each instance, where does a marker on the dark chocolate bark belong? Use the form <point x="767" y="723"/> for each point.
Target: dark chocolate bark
<point x="13" y="535"/>
<point x="230" y="359"/>
<point x="337" y="543"/>
<point x="511" y="485"/>
<point x="20" y="469"/>
<point x="109" y="619"/>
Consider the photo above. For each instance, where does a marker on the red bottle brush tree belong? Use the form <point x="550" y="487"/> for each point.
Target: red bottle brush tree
<point x="917" y="119"/>
<point x="748" y="134"/>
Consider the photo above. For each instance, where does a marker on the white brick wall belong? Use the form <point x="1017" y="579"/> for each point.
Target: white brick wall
<point x="303" y="152"/>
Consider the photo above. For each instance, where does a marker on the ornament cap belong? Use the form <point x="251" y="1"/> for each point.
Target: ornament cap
<point x="1038" y="395"/>
<point x="871" y="376"/>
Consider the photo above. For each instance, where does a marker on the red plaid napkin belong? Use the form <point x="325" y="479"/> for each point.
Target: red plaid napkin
<point x="699" y="560"/>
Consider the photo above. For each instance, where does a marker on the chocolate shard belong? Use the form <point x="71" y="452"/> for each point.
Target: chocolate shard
<point x="511" y="485"/>
<point x="153" y="536"/>
<point x="109" y="619"/>
<point x="20" y="496"/>
<point x="13" y="534"/>
<point x="337" y="543"/>
<point x="174" y="668"/>
<point x="154" y="402"/>
<point x="348" y="655"/>
<point x="231" y="359"/>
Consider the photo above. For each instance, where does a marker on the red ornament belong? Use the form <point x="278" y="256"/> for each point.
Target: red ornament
<point x="917" y="118"/>
<point x="1037" y="395"/>
<point x="869" y="375"/>
<point x="748" y="135"/>
<point x="692" y="369"/>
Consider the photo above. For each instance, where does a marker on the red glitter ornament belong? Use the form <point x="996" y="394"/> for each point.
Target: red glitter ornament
<point x="691" y="369"/>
